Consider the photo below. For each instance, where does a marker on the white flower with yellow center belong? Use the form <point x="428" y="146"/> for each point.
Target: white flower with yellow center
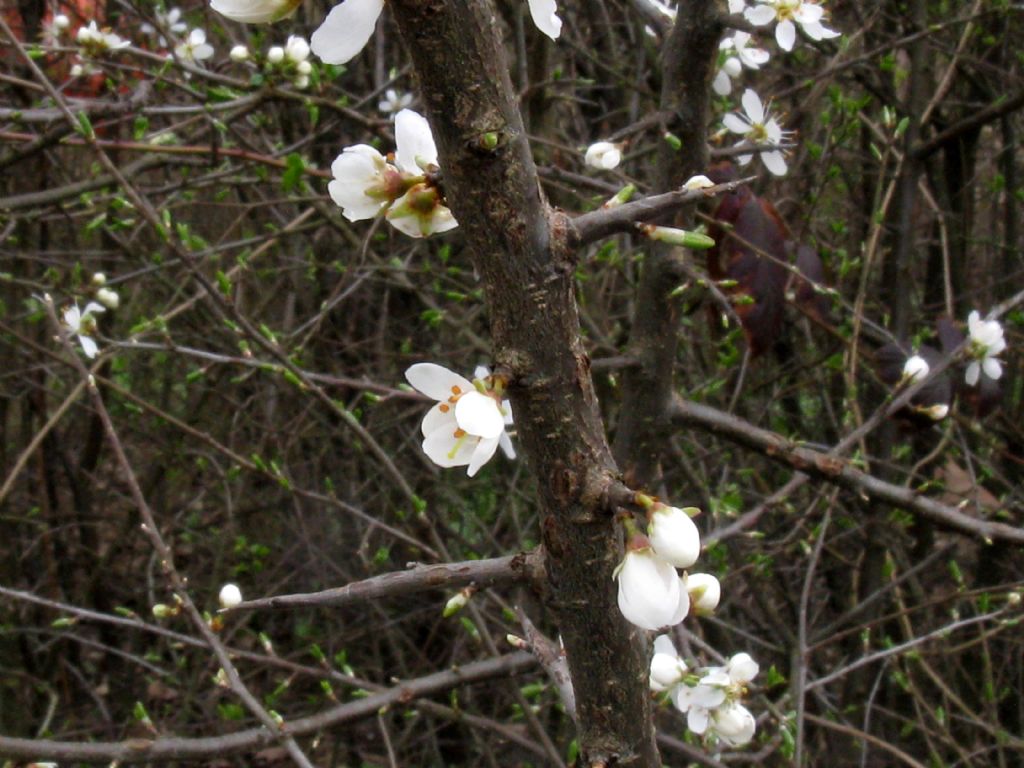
<point x="789" y="13"/>
<point x="758" y="127"/>
<point x="82" y="323"/>
<point x="467" y="424"/>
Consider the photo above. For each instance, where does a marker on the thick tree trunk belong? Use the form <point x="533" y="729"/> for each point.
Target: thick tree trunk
<point x="517" y="245"/>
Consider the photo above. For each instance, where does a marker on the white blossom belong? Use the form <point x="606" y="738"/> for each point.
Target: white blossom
<point x="365" y="183"/>
<point x="255" y="11"/>
<point x="82" y="323"/>
<point x="166" y="23"/>
<point x="650" y="592"/>
<point x="807" y="14"/>
<point x="757" y="126"/>
<point x="195" y="47"/>
<point x="985" y="341"/>
<point x="95" y="42"/>
<point x="350" y="24"/>
<point x="466" y="425"/>
<point x="673" y="534"/>
<point x="394" y="101"/>
<point x="741" y="54"/>
<point x="603" y="155"/>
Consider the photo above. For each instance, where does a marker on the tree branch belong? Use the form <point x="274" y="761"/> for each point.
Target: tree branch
<point x="594" y="225"/>
<point x="839" y="471"/>
<point x="173" y="748"/>
<point x="497" y="571"/>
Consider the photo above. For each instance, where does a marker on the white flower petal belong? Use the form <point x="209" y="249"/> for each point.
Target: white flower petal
<point x="785" y="35"/>
<point x="479" y="415"/>
<point x="736" y="124"/>
<point x="760" y="15"/>
<point x="775" y="162"/>
<point x="697" y="720"/>
<point x="346" y="30"/>
<point x="808" y="13"/>
<point x="545" y="15"/>
<point x="88" y="346"/>
<point x="992" y="367"/>
<point x="446" y="449"/>
<point x="973" y="372"/>
<point x="505" y="443"/>
<point x="742" y="668"/>
<point x="721" y="85"/>
<point x="482" y="454"/>
<point x="442" y="415"/>
<point x="255" y="11"/>
<point x="752" y="106"/>
<point x="413" y="141"/>
<point x="436" y="381"/>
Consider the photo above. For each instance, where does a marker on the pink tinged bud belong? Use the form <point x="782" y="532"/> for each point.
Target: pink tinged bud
<point x="674" y="536"/>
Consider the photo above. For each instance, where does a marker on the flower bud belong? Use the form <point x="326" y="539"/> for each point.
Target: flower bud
<point x="675" y="236"/>
<point x="275" y="55"/>
<point x="673" y="535"/>
<point x="239" y="53"/>
<point x="915" y="369"/>
<point x="163" y="611"/>
<point x="303" y="67"/>
<point x="99" y="279"/>
<point x="108" y="298"/>
<point x="603" y="155"/>
<point x="456" y="603"/>
<point x="698" y="182"/>
<point x="230" y="596"/>
<point x="61" y="22"/>
<point x="620" y="197"/>
<point x="705" y="591"/>
<point x="734" y="724"/>
<point x="936" y="412"/>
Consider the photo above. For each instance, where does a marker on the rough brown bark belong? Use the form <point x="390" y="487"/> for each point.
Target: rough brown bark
<point x="526" y="265"/>
<point x="687" y="69"/>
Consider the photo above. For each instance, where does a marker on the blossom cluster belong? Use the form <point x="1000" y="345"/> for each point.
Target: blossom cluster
<point x="651" y="593"/>
<point x="709" y="696"/>
<point x="404" y="186"/>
